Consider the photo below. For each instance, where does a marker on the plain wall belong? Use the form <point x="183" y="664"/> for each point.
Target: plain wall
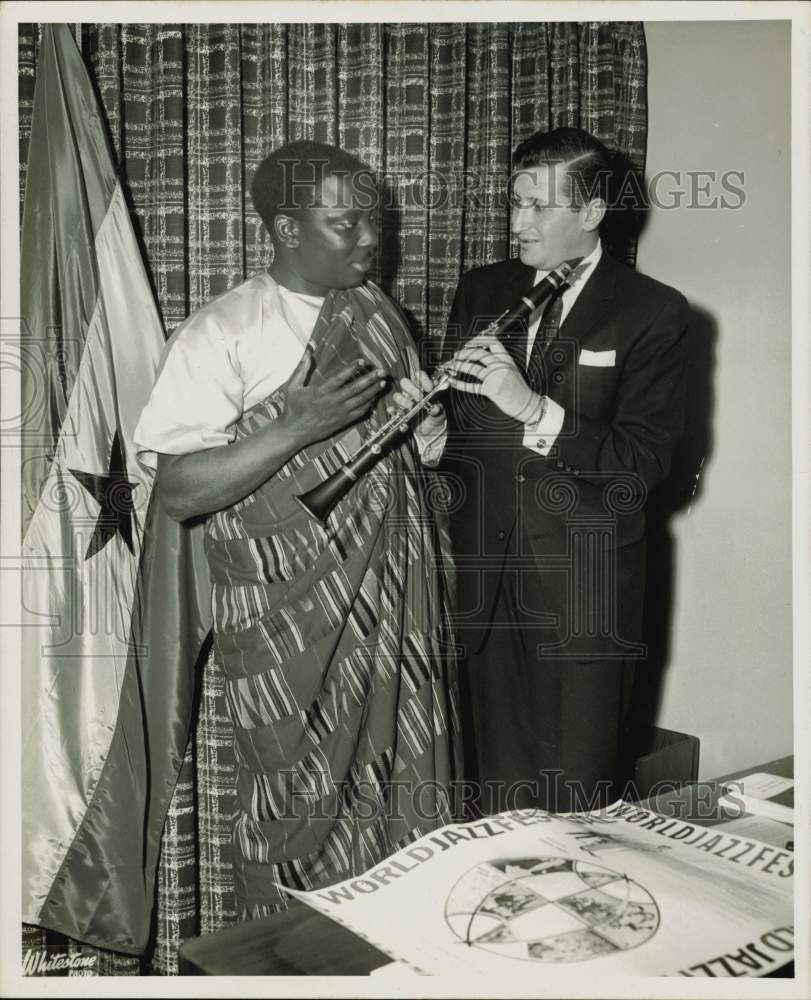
<point x="719" y="100"/>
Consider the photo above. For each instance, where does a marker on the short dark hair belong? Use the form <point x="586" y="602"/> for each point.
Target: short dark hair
<point x="589" y="164"/>
<point x="290" y="178"/>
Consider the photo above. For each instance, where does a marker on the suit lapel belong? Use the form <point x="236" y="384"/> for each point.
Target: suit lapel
<point x="588" y="310"/>
<point x="591" y="304"/>
<point x="518" y="282"/>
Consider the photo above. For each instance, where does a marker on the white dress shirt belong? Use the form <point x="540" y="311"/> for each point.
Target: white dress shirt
<point x="541" y="436"/>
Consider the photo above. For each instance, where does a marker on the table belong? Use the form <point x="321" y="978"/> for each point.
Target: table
<point x="298" y="942"/>
<point x="282" y="945"/>
<point x="698" y="803"/>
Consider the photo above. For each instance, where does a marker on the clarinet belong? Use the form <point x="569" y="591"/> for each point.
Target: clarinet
<point x="321" y="499"/>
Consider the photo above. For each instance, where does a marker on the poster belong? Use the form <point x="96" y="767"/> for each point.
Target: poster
<point x="614" y="893"/>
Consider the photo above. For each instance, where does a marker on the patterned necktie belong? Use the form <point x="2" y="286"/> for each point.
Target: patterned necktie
<point x="547" y="331"/>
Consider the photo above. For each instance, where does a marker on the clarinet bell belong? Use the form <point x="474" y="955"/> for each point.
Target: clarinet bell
<point x="320" y="500"/>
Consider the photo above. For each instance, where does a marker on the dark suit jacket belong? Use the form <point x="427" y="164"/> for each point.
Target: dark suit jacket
<point x="622" y="421"/>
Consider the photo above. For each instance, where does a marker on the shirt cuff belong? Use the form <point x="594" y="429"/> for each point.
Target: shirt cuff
<point x="432" y="445"/>
<point x="542" y="436"/>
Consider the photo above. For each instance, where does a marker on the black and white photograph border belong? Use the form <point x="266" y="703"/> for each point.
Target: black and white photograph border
<point x="727" y="171"/>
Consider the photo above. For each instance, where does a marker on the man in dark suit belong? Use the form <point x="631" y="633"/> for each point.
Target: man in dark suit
<point x="559" y="428"/>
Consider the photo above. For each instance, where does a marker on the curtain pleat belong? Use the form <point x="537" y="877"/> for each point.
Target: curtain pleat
<point x="436" y="110"/>
<point x="407" y="129"/>
<point x="264" y="114"/>
<point x="487" y="122"/>
<point x="214" y="161"/>
<point x="446" y="171"/>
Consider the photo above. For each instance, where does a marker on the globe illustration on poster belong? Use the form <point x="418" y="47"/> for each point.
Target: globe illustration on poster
<point x="550" y="910"/>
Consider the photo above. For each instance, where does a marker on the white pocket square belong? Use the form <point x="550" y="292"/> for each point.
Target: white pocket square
<point x="598" y="359"/>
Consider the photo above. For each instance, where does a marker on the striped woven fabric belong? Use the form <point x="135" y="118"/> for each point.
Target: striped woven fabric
<point x="436" y="108"/>
<point x="334" y="641"/>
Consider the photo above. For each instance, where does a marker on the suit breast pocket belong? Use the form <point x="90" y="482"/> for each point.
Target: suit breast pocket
<point x="588" y="390"/>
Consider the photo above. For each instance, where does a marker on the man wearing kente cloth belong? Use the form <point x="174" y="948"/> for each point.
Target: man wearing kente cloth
<point x="334" y="641"/>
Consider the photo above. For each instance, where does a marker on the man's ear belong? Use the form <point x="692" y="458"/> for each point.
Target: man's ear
<point x="593" y="214"/>
<point x="285" y="229"/>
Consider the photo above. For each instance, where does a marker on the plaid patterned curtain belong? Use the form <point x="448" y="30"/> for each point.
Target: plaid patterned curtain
<point x="436" y="109"/>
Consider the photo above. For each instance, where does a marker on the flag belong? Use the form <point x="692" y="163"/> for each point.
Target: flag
<point x="116" y="598"/>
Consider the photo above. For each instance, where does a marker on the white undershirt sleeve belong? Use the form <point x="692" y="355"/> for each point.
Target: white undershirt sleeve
<point x="197" y="398"/>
